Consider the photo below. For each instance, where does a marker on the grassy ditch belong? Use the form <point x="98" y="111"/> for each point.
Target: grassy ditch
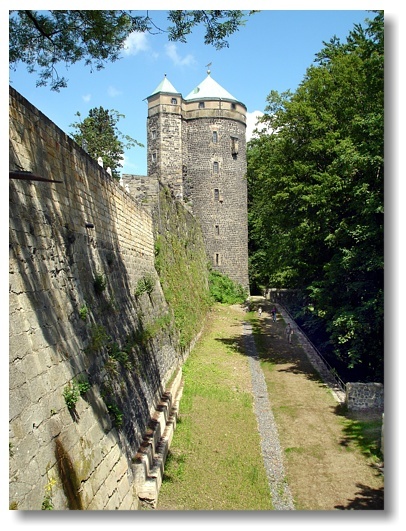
<point x="215" y="460"/>
<point x="331" y="456"/>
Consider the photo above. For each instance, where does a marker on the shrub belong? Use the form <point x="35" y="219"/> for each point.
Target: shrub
<point x="73" y="391"/>
<point x="98" y="338"/>
<point x="71" y="395"/>
<point x="145" y="284"/>
<point x="116" y="414"/>
<point x="224" y="290"/>
<point x="83" y="311"/>
<point x="99" y="283"/>
<point x="119" y="355"/>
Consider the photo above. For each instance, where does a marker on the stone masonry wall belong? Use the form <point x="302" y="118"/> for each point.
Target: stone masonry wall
<point x="164" y="127"/>
<point x="143" y="188"/>
<point x="365" y="396"/>
<point x="222" y="214"/>
<point x="78" y="251"/>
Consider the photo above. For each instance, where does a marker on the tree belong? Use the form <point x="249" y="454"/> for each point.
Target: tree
<point x="46" y="39"/>
<point x="316" y="194"/>
<point x="99" y="135"/>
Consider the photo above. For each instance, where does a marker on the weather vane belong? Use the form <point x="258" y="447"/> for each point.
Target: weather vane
<point x="208" y="67"/>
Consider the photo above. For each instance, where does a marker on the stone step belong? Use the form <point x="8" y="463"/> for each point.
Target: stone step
<point x="149" y="462"/>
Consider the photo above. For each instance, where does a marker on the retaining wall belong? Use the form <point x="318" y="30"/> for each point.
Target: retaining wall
<point x="364" y="396"/>
<point x="64" y="236"/>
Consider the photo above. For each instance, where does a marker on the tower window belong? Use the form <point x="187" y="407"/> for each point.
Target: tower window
<point x="154" y="156"/>
<point x="215" y="167"/>
<point x="217" y="259"/>
<point x="215" y="137"/>
<point x="201" y="104"/>
<point x="234" y="145"/>
<point x="217" y="230"/>
<point x="216" y="194"/>
<point x="153" y="134"/>
<point x="174" y="101"/>
<point x="233" y="106"/>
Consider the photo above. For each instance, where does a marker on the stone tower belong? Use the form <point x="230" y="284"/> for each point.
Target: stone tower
<point x="197" y="146"/>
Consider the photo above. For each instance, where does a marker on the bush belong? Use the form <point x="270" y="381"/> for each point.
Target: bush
<point x="145" y="284"/>
<point x="73" y="391"/>
<point x="99" y="283"/>
<point x="224" y="290"/>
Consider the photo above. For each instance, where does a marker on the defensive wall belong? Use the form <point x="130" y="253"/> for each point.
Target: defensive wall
<point x="86" y="307"/>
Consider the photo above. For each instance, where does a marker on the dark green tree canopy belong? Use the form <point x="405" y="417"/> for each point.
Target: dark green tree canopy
<point x="45" y="40"/>
<point x="316" y="193"/>
<point x="99" y="136"/>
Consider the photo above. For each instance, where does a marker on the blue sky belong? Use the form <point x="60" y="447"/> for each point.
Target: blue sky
<point x="272" y="52"/>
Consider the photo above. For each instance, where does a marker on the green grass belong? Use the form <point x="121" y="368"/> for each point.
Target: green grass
<point x="365" y="435"/>
<point x="215" y="461"/>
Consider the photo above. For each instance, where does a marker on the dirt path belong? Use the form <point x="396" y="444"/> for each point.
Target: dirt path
<point x="324" y="468"/>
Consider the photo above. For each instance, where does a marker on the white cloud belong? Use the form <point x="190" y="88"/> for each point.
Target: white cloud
<point x="113" y="92"/>
<point x="172" y="53"/>
<point x="252" y="118"/>
<point x="86" y="97"/>
<point x="136" y="42"/>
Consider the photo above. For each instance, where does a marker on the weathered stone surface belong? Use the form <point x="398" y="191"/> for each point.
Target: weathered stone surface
<point x="60" y="327"/>
<point x="365" y="396"/>
<point x="201" y="155"/>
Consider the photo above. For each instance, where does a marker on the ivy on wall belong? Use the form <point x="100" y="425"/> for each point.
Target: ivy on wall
<point x="181" y="263"/>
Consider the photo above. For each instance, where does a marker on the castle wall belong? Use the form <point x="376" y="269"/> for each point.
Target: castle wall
<point x="66" y="240"/>
<point x="144" y="188"/>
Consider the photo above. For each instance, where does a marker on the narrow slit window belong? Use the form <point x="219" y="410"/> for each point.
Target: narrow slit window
<point x="153" y="134"/>
<point x="215" y="167"/>
<point x="154" y="156"/>
<point x="217" y="259"/>
<point x="233" y="106"/>
<point x="216" y="194"/>
<point x="215" y="138"/>
<point x="234" y="145"/>
<point x="217" y="230"/>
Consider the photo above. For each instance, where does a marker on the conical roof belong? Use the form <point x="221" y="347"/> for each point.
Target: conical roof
<point x="210" y="89"/>
<point x="165" y="86"/>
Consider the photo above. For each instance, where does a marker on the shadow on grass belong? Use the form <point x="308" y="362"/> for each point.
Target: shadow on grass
<point x="174" y="467"/>
<point x="365" y="499"/>
<point x="363" y="430"/>
<point x="272" y="346"/>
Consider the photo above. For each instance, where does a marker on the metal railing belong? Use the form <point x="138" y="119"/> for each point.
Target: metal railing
<point x="329" y="368"/>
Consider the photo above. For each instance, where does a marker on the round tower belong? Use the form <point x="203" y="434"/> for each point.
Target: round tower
<point x="197" y="146"/>
<point x="215" y="175"/>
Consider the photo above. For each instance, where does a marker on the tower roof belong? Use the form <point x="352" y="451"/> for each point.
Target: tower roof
<point x="165" y="86"/>
<point x="209" y="88"/>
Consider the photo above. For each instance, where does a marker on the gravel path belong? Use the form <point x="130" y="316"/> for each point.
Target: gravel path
<point x="271" y="450"/>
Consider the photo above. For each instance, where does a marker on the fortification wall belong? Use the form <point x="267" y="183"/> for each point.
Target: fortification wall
<point x="85" y="302"/>
<point x="143" y="188"/>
